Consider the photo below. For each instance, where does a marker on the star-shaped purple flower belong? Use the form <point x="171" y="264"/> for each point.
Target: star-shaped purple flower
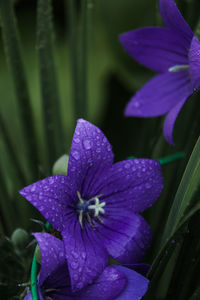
<point x="115" y="282"/>
<point x="174" y="52"/>
<point x="96" y="206"/>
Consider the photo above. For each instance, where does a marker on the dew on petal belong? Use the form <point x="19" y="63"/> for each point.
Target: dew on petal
<point x="76" y="155"/>
<point x="148" y="185"/>
<point x="74" y="265"/>
<point x="87" y="144"/>
<point x="79" y="285"/>
<point x="74" y="254"/>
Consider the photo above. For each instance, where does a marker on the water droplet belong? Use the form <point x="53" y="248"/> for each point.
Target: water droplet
<point x="51" y="180"/>
<point x="127" y="166"/>
<point x="33" y="188"/>
<point x="75" y="277"/>
<point x="148" y="185"/>
<point x="83" y="254"/>
<point x="136" y="104"/>
<point x="76" y="155"/>
<point x="74" y="265"/>
<point x="61" y="254"/>
<point x="79" y="285"/>
<point x="74" y="254"/>
<point x="87" y="144"/>
<point x="76" y="140"/>
<point x="109" y="148"/>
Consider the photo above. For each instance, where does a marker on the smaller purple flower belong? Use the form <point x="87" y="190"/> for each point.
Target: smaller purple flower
<point x="96" y="206"/>
<point x="174" y="52"/>
<point x="115" y="282"/>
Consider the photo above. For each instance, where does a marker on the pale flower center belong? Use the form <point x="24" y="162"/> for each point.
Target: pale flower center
<point x="90" y="209"/>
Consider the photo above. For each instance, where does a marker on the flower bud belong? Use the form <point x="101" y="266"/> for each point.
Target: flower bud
<point x="20" y="239"/>
<point x="61" y="165"/>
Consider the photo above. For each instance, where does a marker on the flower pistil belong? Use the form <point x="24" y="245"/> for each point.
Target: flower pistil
<point x="85" y="207"/>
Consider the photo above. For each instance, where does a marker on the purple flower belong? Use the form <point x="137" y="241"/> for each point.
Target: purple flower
<point x="115" y="282"/>
<point x="174" y="52"/>
<point x="96" y="206"/>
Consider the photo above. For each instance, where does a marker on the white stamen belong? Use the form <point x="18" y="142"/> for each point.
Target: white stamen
<point x="97" y="207"/>
<point x="178" y="68"/>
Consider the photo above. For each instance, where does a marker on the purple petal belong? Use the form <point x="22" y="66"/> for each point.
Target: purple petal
<point x="135" y="249"/>
<point x="51" y="196"/>
<point x="156" y="48"/>
<point x="57" y="286"/>
<point x="133" y="183"/>
<point x="194" y="59"/>
<point x="91" y="153"/>
<point x="125" y="235"/>
<point x="85" y="253"/>
<point x="28" y="296"/>
<point x="160" y="95"/>
<point x="136" y="287"/>
<point x="173" y="19"/>
<point x="52" y="255"/>
<point x="170" y="121"/>
<point x="108" y="286"/>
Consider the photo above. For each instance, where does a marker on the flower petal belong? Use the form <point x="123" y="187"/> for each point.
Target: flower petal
<point x="194" y="59"/>
<point x="125" y="235"/>
<point x="159" y="95"/>
<point x="131" y="184"/>
<point x="170" y="121"/>
<point x="85" y="253"/>
<point x="136" y="287"/>
<point x="51" y="196"/>
<point x="139" y="243"/>
<point x="173" y="19"/>
<point x="28" y="296"/>
<point x="91" y="153"/>
<point x="156" y="48"/>
<point x="108" y="286"/>
<point x="52" y="255"/>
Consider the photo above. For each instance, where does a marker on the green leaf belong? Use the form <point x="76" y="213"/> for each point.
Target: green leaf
<point x="12" y="49"/>
<point x="161" y="262"/>
<point x="189" y="185"/>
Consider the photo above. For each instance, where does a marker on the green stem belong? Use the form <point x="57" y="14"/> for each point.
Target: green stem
<point x="34" y="291"/>
<point x="171" y="158"/>
<point x="167" y="159"/>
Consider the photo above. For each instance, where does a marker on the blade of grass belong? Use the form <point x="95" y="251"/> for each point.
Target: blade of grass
<point x="12" y="49"/>
<point x="49" y="85"/>
<point x="188" y="186"/>
<point x="162" y="259"/>
<point x="10" y="150"/>
<point x="71" y="13"/>
<point x="84" y="49"/>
